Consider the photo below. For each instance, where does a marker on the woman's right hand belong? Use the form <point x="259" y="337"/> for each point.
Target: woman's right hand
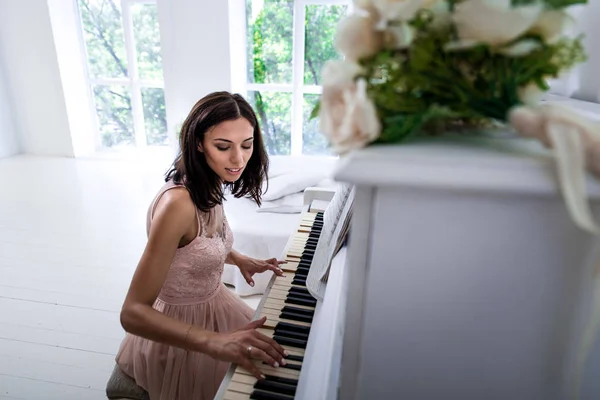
<point x="244" y="345"/>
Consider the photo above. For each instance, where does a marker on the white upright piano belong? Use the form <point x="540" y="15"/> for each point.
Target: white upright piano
<point x="463" y="278"/>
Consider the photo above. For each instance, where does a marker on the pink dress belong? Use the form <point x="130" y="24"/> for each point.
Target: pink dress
<point x="193" y="293"/>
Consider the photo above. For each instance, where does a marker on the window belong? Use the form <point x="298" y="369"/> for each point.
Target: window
<point x="288" y="42"/>
<point x="124" y="67"/>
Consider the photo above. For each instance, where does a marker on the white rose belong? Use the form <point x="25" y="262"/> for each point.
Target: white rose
<point x="530" y="94"/>
<point x="492" y="22"/>
<point x="552" y="24"/>
<point x="347" y="116"/>
<point x="398" y="36"/>
<point x="356" y="37"/>
<point x="405" y="10"/>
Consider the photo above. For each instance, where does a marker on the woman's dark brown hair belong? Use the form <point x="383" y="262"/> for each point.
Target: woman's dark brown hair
<point x="190" y="167"/>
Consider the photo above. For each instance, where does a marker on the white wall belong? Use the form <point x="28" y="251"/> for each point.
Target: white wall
<point x="29" y="56"/>
<point x="70" y="56"/>
<point x="583" y="82"/>
<point x="9" y="140"/>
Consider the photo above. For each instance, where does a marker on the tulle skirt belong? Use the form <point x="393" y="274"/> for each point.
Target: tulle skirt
<point x="170" y="373"/>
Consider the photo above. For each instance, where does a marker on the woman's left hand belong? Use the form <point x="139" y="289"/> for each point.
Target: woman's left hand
<point x="250" y="266"/>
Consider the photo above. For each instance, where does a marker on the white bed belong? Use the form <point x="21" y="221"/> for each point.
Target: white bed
<point x="263" y="233"/>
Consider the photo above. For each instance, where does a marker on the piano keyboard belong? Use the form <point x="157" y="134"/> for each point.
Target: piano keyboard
<point x="289" y="309"/>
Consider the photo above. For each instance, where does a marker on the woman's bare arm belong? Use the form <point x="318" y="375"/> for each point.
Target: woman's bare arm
<point x="174" y="216"/>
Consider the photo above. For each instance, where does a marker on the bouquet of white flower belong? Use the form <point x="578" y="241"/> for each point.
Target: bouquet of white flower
<point x="415" y="66"/>
<point x="423" y="67"/>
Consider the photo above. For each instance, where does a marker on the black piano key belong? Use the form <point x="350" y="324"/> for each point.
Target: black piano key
<point x="293" y="357"/>
<point x="303" y="291"/>
<point x="296" y="317"/>
<point x="304" y="264"/>
<point x="302" y="269"/>
<point x="309" y="300"/>
<point x="291" y="335"/>
<point x="264" y="395"/>
<point x="300" y="295"/>
<point x="301" y="344"/>
<point x="295" y="367"/>
<point x="302" y="274"/>
<point x="299" y="282"/>
<point x="275" y="387"/>
<point x="297" y="310"/>
<point x="287" y="381"/>
<point x="292" y="327"/>
<point x="300" y="301"/>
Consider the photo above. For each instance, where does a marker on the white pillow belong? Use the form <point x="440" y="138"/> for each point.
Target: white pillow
<point x="290" y="183"/>
<point x="290" y="204"/>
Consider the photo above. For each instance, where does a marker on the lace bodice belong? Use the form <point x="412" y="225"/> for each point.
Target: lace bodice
<point x="196" y="270"/>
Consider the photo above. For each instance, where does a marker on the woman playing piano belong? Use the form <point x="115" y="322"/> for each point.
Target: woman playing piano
<point x="184" y="327"/>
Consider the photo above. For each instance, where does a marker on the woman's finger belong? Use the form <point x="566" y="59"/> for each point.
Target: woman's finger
<point x="277" y="270"/>
<point x="247" y="364"/>
<point x="272" y="343"/>
<point x="260" y="351"/>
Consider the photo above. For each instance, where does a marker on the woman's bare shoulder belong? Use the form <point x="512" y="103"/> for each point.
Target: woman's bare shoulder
<point x="175" y="206"/>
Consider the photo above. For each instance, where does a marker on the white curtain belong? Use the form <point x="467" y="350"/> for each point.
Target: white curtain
<point x="583" y="82"/>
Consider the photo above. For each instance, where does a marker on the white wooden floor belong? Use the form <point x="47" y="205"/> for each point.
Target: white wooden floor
<point x="71" y="233"/>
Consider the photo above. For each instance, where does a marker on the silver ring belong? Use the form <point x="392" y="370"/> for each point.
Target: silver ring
<point x="249" y="350"/>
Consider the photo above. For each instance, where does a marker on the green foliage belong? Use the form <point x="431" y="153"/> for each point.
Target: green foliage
<point x="422" y="88"/>
<point x="552" y="4"/>
<point x="270" y="55"/>
<point x="105" y="48"/>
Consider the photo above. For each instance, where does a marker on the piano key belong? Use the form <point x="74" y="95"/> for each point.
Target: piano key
<point x="275" y="387"/>
<point x="277" y="293"/>
<point x="295" y="317"/>
<point x="292" y="357"/>
<point x="291" y="334"/>
<point x="289" y="267"/>
<point x="299" y="301"/>
<point x="298" y="310"/>
<point x="251" y="380"/>
<point x="241" y="387"/>
<point x="263" y="395"/>
<point x="293" y="327"/>
<point x="290" y="342"/>
<point x="274" y="319"/>
<point x="300" y="291"/>
<point x="280" y="303"/>
<point x="231" y="395"/>
<point x="299" y="282"/>
<point x="241" y="378"/>
<point x="292" y="351"/>
<point x="267" y="369"/>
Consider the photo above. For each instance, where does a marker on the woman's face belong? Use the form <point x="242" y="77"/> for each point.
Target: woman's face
<point x="228" y="147"/>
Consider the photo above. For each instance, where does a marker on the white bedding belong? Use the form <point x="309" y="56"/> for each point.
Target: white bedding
<point x="259" y="235"/>
<point x="263" y="232"/>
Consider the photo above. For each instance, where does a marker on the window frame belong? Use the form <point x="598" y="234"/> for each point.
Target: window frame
<point x="297" y="88"/>
<point x="132" y="82"/>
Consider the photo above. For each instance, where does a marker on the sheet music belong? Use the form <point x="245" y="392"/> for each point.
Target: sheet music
<point x="339" y="210"/>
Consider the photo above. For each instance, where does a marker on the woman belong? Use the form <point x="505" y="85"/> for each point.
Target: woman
<point x="184" y="327"/>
